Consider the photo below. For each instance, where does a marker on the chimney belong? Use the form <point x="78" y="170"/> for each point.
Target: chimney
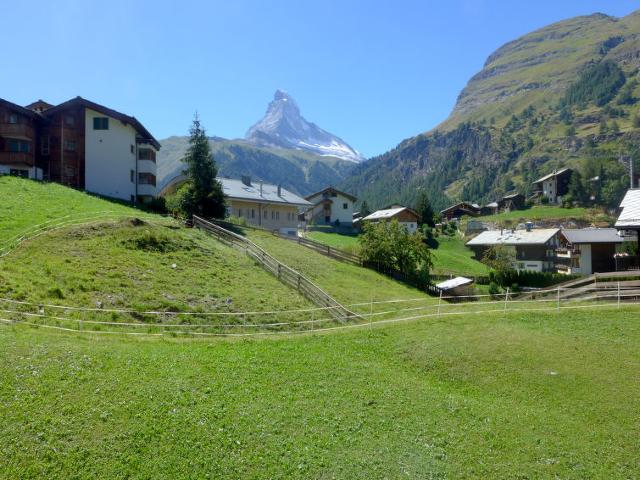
<point x="279" y="190"/>
<point x="246" y="179"/>
<point x="260" y="187"/>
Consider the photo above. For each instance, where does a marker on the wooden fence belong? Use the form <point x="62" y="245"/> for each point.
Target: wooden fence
<point x="284" y="273"/>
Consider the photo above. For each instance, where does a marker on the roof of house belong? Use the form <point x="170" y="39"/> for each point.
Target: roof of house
<point x="512" y="195"/>
<point x="388" y="213"/>
<point x="552" y="174"/>
<point x="630" y="214"/>
<point x="344" y="194"/>
<point x="454" y="283"/>
<point x="492" y="205"/>
<point x="18" y="108"/>
<point x="538" y="236"/>
<point x="592" y="235"/>
<point x="133" y="121"/>
<point x="461" y="205"/>
<point x="268" y="194"/>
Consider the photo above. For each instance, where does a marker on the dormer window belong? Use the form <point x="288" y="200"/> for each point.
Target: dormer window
<point x="13" y="118"/>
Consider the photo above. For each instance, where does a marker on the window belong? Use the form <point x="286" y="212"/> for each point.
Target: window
<point x="44" y="145"/>
<point x="147" y="154"/>
<point x="100" y="123"/>
<point x="19" y="173"/>
<point x="253" y="213"/>
<point x="273" y="215"/>
<point x="345" y="206"/>
<point x="132" y="175"/>
<point x="70" y="145"/>
<point x="264" y="214"/>
<point x="133" y="149"/>
<point x="277" y="215"/>
<point x="19" y="146"/>
<point x="69" y="120"/>
<point x="146" y="179"/>
<point x="13" y="118"/>
<point x="239" y="212"/>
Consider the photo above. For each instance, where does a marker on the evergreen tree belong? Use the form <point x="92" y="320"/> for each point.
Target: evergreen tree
<point x="364" y="209"/>
<point x="203" y="196"/>
<point x="424" y="209"/>
<point x="576" y="189"/>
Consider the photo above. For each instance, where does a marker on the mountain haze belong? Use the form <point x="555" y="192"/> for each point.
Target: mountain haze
<point x="566" y="94"/>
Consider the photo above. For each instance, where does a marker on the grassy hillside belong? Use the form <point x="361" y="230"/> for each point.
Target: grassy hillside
<point x="586" y="215"/>
<point x="27" y="203"/>
<point x="527" y="396"/>
<point x="565" y="95"/>
<point x="451" y="256"/>
<point x="298" y="171"/>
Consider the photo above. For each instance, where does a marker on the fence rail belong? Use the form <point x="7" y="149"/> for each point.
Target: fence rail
<point x="283" y="272"/>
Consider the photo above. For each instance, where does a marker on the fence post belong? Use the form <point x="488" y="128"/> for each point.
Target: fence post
<point x="618" y="294"/>
<point x="371" y="313"/>
<point x="506" y="298"/>
<point x="313" y="319"/>
<point x="278" y="270"/>
<point x="439" y="301"/>
<point x="558" y="306"/>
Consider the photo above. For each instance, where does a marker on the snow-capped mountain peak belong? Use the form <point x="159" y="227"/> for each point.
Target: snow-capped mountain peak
<point x="284" y="127"/>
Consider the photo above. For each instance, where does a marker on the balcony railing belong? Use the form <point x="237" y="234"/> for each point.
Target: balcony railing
<point x="16" y="158"/>
<point x="16" y="129"/>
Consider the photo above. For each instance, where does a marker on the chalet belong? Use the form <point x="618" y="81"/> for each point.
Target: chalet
<point x="629" y="222"/>
<point x="404" y="216"/>
<point x="80" y="144"/>
<point x="587" y="250"/>
<point x="513" y="201"/>
<point x="263" y="205"/>
<point x="553" y="186"/>
<point x="330" y="206"/>
<point x="533" y="249"/>
<point x="460" y="209"/>
<point x="490" y="209"/>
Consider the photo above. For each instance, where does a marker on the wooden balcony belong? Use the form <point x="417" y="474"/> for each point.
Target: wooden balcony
<point x="16" y="158"/>
<point x="16" y="130"/>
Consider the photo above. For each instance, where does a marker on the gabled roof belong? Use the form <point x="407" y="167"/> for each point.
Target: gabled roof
<point x="552" y="174"/>
<point x="18" y="108"/>
<point x="538" y="236"/>
<point x="332" y="189"/>
<point x="454" y="283"/>
<point x="461" y="205"/>
<point x="81" y="102"/>
<point x="630" y="214"/>
<point x="388" y="213"/>
<point x="39" y="105"/>
<point x="268" y="194"/>
<point x="492" y="205"/>
<point x="512" y="195"/>
<point x="591" y="235"/>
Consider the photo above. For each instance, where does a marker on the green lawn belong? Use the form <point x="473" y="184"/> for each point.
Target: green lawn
<point x="347" y="243"/>
<point x="529" y="396"/>
<point x="347" y="283"/>
<point x="145" y="267"/>
<point x="548" y="212"/>
<point x="26" y="203"/>
<point x="452" y="256"/>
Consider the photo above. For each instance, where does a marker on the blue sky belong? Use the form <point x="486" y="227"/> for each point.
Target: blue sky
<point x="372" y="72"/>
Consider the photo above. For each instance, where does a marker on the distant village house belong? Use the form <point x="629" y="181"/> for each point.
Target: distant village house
<point x="460" y="209"/>
<point x="553" y="186"/>
<point x="263" y="205"/>
<point x="403" y="215"/>
<point x="588" y="250"/>
<point x="330" y="206"/>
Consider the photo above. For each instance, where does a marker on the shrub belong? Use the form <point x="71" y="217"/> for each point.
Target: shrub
<point x="390" y="248"/>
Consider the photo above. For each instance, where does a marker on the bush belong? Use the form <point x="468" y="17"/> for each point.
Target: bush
<point x="390" y="248"/>
<point x="527" y="278"/>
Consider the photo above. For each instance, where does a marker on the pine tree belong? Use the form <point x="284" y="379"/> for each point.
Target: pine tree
<point x="364" y="209"/>
<point x="576" y="188"/>
<point x="424" y="209"/>
<point x="203" y="195"/>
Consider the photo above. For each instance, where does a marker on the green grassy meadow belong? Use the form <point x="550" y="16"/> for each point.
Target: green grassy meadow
<point x="548" y="212"/>
<point x="453" y="257"/>
<point x="347" y="243"/>
<point x="527" y="396"/>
